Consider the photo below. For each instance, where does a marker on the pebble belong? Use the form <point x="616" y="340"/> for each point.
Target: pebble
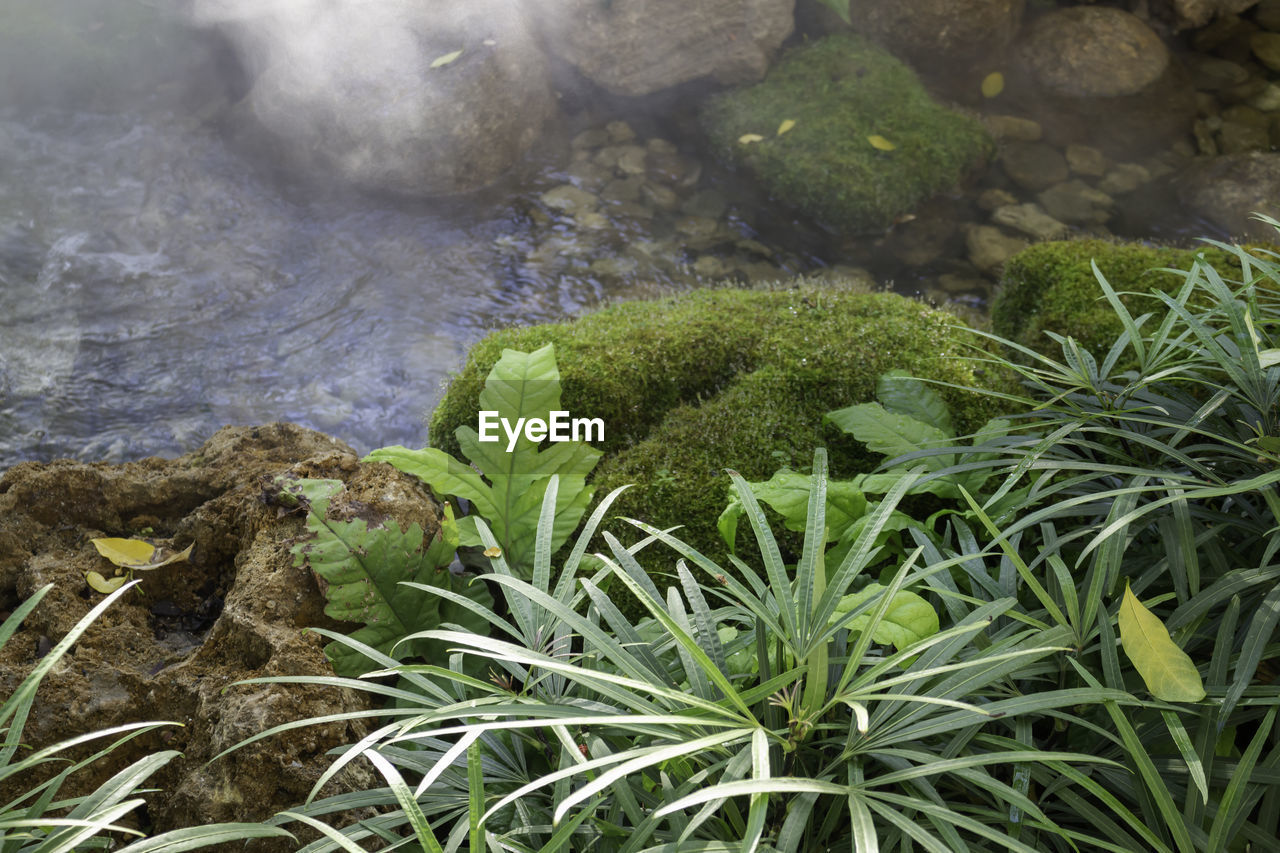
<point x="619" y="132"/>
<point x="1267" y="14"/>
<point x="622" y="189"/>
<point x="1124" y="178"/>
<point x="591" y="220"/>
<point x="1013" y="128"/>
<point x="1206" y="104"/>
<point x="709" y="266"/>
<point x="596" y="137"/>
<point x="1251" y="88"/>
<point x="1209" y="73"/>
<point x="1031" y="220"/>
<point x="632" y="160"/>
<point x="1205" y="143"/>
<point x="616" y="267"/>
<point x="568" y="198"/>
<point x="669" y="167"/>
<point x="990" y="199"/>
<point x="657" y="145"/>
<point x="697" y="227"/>
<point x="1235" y="137"/>
<point x="1076" y="203"/>
<point x="662" y="197"/>
<point x="1086" y="160"/>
<point x="989" y="247"/>
<point x="709" y="203"/>
<point x="1266" y="47"/>
<point x="1268" y="100"/>
<point x="588" y="175"/>
<point x="1033" y="165"/>
<point x="1243" y="114"/>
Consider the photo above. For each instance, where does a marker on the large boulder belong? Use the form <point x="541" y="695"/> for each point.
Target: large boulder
<point x="940" y="33"/>
<point x="636" y="47"/>
<point x="1227" y="190"/>
<point x="400" y="96"/>
<point x="1102" y="76"/>
<point x="237" y="609"/>
<point x="865" y="143"/>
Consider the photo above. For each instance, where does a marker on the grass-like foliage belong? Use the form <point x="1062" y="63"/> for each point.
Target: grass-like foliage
<point x="43" y="819"/>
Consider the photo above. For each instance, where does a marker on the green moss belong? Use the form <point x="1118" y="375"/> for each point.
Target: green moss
<point x="691" y="385"/>
<point x="839" y="91"/>
<point x="1051" y="286"/>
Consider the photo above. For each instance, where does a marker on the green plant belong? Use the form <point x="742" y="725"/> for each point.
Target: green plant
<point x="361" y="568"/>
<point x="43" y="819"/>
<point x="588" y="735"/>
<point x="508" y="489"/>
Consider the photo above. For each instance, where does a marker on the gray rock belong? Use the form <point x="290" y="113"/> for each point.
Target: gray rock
<point x="1033" y="165"/>
<point x="1210" y="73"/>
<point x="1087" y="51"/>
<point x="568" y="199"/>
<point x="1031" y="220"/>
<point x="632" y="160"/>
<point x="1013" y="128"/>
<point x="1077" y="203"/>
<point x="940" y="33"/>
<point x="1086" y="160"/>
<point x="359" y="98"/>
<point x="622" y="189"/>
<point x="1226" y="190"/>
<point x="1266" y="47"/>
<point x="1235" y="137"/>
<point x="620" y="132"/>
<point x="637" y="47"/>
<point x="1124" y="178"/>
<point x="989" y="247"/>
<point x="595" y="137"/>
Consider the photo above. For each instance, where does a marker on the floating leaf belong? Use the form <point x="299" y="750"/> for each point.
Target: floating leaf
<point x="446" y="59"/>
<point x="786" y="125"/>
<point x="488" y="42"/>
<point x="493" y="551"/>
<point x="880" y="143"/>
<point x="126" y="553"/>
<point x="748" y="138"/>
<point x="104" y="585"/>
<point x="1166" y="669"/>
<point x="992" y="84"/>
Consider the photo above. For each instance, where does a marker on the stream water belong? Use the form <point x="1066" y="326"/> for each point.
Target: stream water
<point x="155" y="285"/>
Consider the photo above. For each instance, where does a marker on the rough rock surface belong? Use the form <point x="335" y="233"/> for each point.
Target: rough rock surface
<point x="636" y="47"/>
<point x="374" y="93"/>
<point x="237" y="609"/>
<point x="927" y="32"/>
<point x="1227" y="190"/>
<point x="1188" y="14"/>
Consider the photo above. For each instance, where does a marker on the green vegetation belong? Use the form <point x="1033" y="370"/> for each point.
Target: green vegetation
<point x="723" y="378"/>
<point x="867" y="145"/>
<point x="1052" y="287"/>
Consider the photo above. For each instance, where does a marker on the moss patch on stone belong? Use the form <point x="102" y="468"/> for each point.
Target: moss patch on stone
<point x="1052" y="287"/>
<point x="708" y="380"/>
<point x="839" y="92"/>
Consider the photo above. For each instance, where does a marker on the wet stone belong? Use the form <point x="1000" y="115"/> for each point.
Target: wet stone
<point x="622" y="189"/>
<point x="632" y="160"/>
<point x="1076" y="203"/>
<point x="1268" y="100"/>
<point x="1034" y="165"/>
<point x="1209" y="73"/>
<point x="1242" y="114"/>
<point x="1266" y="48"/>
<point x="596" y="137"/>
<point x="1250" y="88"/>
<point x="1205" y="142"/>
<point x="1013" y="128"/>
<point x="568" y="198"/>
<point x="668" y="167"/>
<point x="661" y="197"/>
<point x="1235" y="137"/>
<point x="591" y="220"/>
<point x="1206" y="104"/>
<point x="657" y="145"/>
<point x="1031" y="220"/>
<point x="991" y="199"/>
<point x="1086" y="160"/>
<point x="588" y="175"/>
<point x="697" y="227"/>
<point x="709" y="203"/>
<point x="709" y="266"/>
<point x="989" y="247"/>
<point x="1124" y="178"/>
<point x="619" y="132"/>
<point x="614" y="267"/>
<point x="1267" y="14"/>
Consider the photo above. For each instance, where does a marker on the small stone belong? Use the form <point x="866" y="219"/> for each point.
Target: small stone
<point x="1033" y="165"/>
<point x="1124" y="178"/>
<point x="754" y="247"/>
<point x="1268" y="100"/>
<point x="622" y="189"/>
<point x="1031" y="220"/>
<point x="1086" y="160"/>
<point x="591" y="220"/>
<point x="596" y="137"/>
<point x="632" y="160"/>
<point x="1267" y="15"/>
<point x="631" y="210"/>
<point x="1077" y="203"/>
<point x="1013" y="128"/>
<point x="1242" y="114"/>
<point x="1206" y="104"/>
<point x="614" y="267"/>
<point x="1250" y="88"/>
<point x="989" y="247"/>
<point x="1205" y="142"/>
<point x="588" y="175"/>
<point x="1236" y="137"/>
<point x="669" y="167"/>
<point x="661" y="197"/>
<point x="1219" y="31"/>
<point x="950" y="283"/>
<point x="568" y="198"/>
<point x="619" y="132"/>
<point x="709" y="266"/>
<point x="657" y="145"/>
<point x="709" y="203"/>
<point x="1266" y="47"/>
<point x="990" y="199"/>
<point x="696" y="226"/>
<point x="1208" y="73"/>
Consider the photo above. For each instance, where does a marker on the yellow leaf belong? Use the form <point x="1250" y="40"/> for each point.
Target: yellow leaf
<point x="446" y="59"/>
<point x="748" y="138"/>
<point x="102" y="585"/>
<point x="129" y="553"/>
<point x="992" y="84"/>
<point x="158" y="559"/>
<point x="1166" y="669"/>
<point x="880" y="143"/>
<point x="786" y="125"/>
<point x="494" y="551"/>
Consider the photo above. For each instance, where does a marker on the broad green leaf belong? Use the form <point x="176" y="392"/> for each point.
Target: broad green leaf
<point x="1166" y="669"/>
<point x="891" y="434"/>
<point x="787" y="493"/>
<point x="902" y="394"/>
<point x="126" y="553"/>
<point x="908" y="619"/>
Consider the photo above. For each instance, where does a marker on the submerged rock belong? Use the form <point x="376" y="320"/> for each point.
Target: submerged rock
<point x="1227" y="191"/>
<point x="237" y="609"/>
<point x="937" y="34"/>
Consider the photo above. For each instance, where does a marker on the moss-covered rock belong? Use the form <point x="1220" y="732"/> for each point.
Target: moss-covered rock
<point x="1052" y="287"/>
<point x="693" y="384"/>
<point x="841" y="92"/>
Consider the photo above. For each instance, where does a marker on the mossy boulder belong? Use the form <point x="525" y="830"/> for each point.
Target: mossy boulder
<point x="850" y="101"/>
<point x="1052" y="287"/>
<point x="708" y="380"/>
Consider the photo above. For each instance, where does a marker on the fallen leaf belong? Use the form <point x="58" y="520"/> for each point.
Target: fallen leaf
<point x="158" y="559"/>
<point x="446" y="59"/>
<point x="128" y="553"/>
<point x="103" y="585"/>
<point x="1165" y="668"/>
<point x="748" y="138"/>
<point x="786" y="125"/>
<point x="880" y="143"/>
<point x="488" y="42"/>
<point x="992" y="84"/>
<point x="493" y="551"/>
